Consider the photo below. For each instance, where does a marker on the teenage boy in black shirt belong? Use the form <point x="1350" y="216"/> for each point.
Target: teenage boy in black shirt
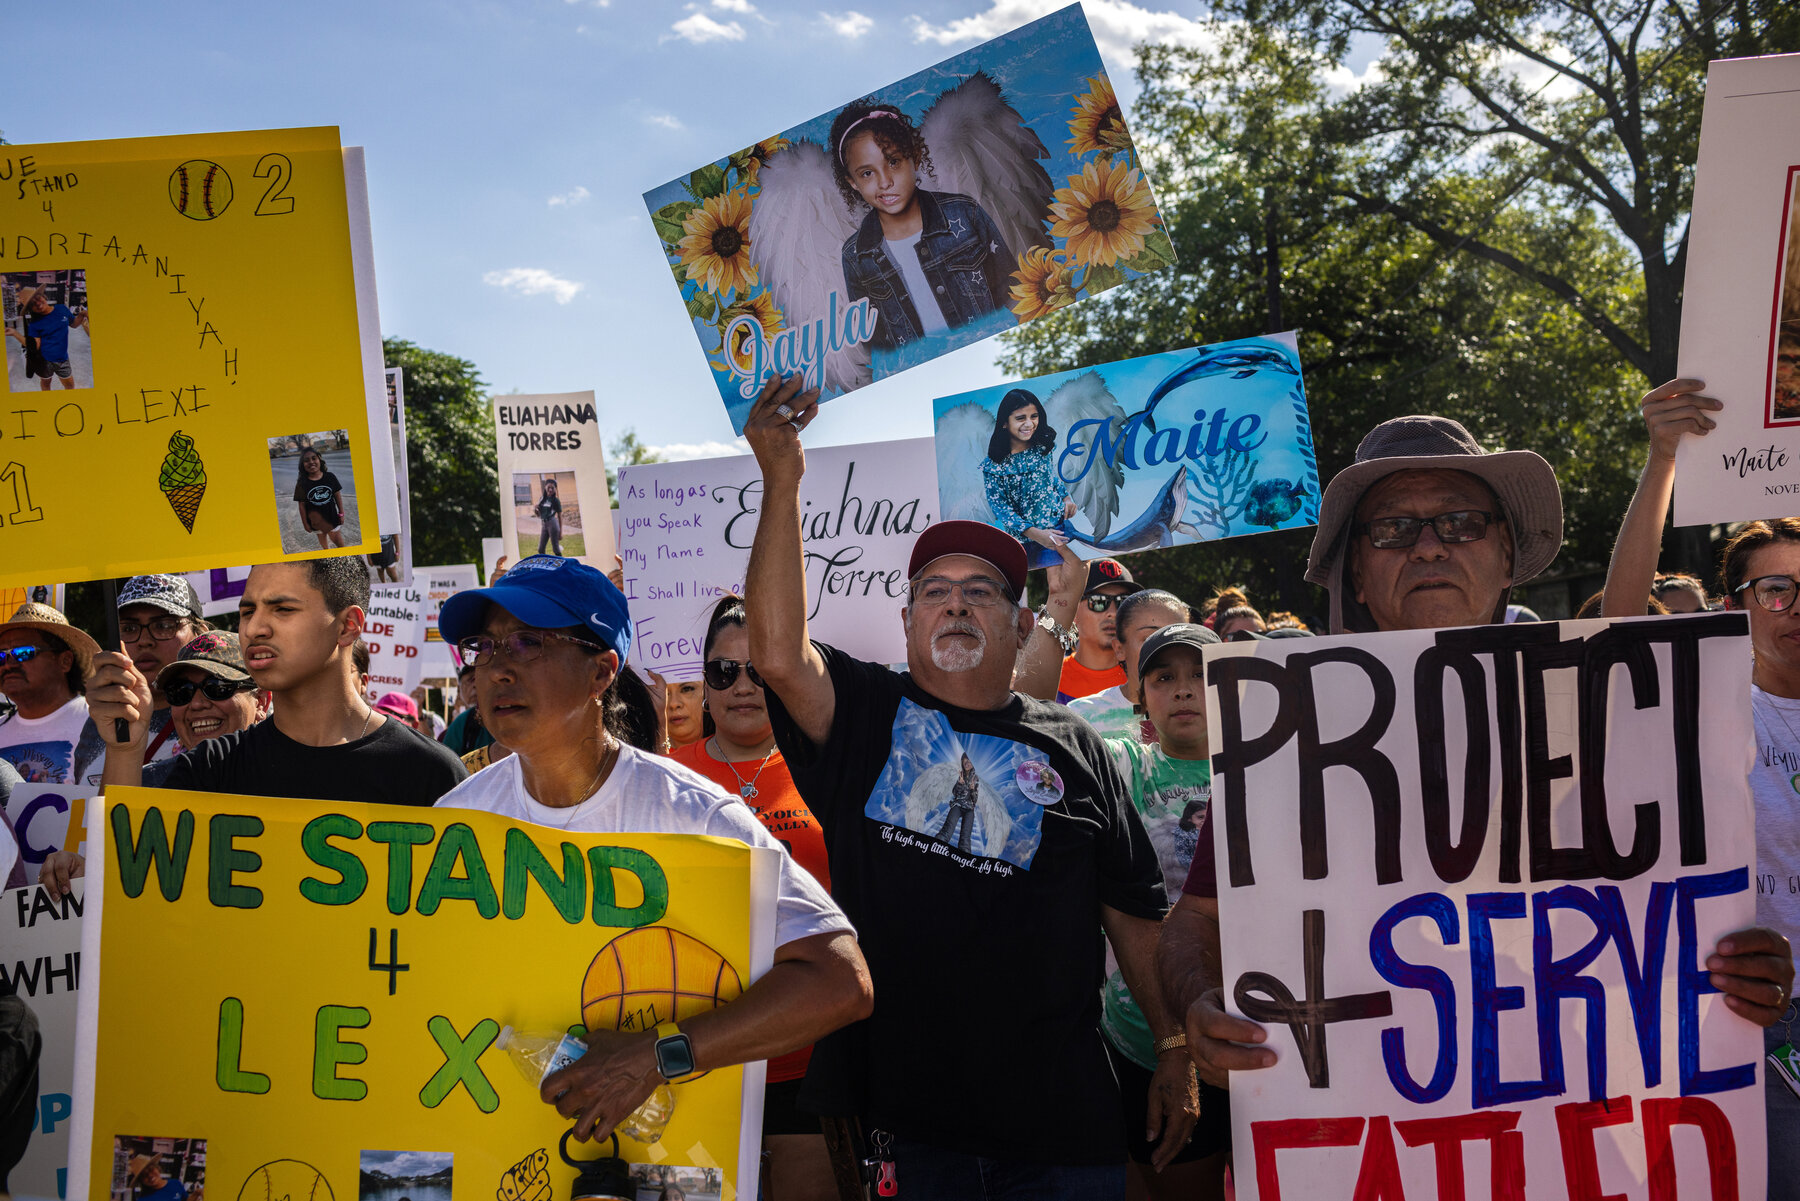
<point x="298" y="625"/>
<point x="983" y="1059"/>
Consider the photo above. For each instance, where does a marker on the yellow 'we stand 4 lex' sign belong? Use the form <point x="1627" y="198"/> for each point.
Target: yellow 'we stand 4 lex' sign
<point x="305" y="995"/>
<point x="180" y="322"/>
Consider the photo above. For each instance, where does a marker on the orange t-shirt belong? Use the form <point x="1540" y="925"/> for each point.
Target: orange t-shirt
<point x="778" y="806"/>
<point x="1078" y="681"/>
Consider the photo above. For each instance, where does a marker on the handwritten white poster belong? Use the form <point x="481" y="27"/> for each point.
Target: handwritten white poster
<point x="687" y="530"/>
<point x="1468" y="881"/>
<point x="438" y="660"/>
<point x="395" y="633"/>
<point x="1740" y="310"/>
<point x="40" y="963"/>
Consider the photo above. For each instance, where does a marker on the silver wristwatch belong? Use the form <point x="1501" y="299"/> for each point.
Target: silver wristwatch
<point x="1064" y="635"/>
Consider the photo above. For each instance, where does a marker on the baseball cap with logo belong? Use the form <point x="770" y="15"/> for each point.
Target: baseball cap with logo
<point x="1102" y="572"/>
<point x="170" y="593"/>
<point x="547" y="592"/>
<point x="216" y="652"/>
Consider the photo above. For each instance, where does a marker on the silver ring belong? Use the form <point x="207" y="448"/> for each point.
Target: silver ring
<point x="796" y="426"/>
<point x="783" y="412"/>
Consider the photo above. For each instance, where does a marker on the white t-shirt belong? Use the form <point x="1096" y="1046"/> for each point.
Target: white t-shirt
<point x="905" y="254"/>
<point x="42" y="749"/>
<point x="1110" y="714"/>
<point x="648" y="794"/>
<point x="1775" y="785"/>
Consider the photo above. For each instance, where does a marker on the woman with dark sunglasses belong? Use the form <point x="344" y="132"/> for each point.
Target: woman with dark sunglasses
<point x="547" y="643"/>
<point x="1759" y="573"/>
<point x="739" y="754"/>
<point x="210" y="692"/>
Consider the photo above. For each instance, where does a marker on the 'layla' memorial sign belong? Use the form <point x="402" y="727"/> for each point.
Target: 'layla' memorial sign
<point x="1186" y="446"/>
<point x="1469" y="880"/>
<point x="345" y="974"/>
<point x="687" y="530"/>
<point x="965" y="200"/>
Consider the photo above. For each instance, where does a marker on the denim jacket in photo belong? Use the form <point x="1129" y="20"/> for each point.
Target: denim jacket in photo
<point x="964" y="258"/>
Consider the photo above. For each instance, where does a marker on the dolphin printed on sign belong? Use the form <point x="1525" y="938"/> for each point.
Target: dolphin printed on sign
<point x="1155" y="527"/>
<point x="1238" y="362"/>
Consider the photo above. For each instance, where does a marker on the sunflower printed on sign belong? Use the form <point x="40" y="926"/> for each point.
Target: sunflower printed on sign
<point x="1105" y="213"/>
<point x="1042" y="284"/>
<point x="715" y="252"/>
<point x="1098" y="124"/>
<point x="759" y="305"/>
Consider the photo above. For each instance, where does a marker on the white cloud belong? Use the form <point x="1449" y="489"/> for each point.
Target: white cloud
<point x="735" y="6"/>
<point x="677" y="452"/>
<point x="665" y="120"/>
<point x="699" y="27"/>
<point x="1119" y="26"/>
<point x="574" y="196"/>
<point x="850" y="24"/>
<point x="533" y="281"/>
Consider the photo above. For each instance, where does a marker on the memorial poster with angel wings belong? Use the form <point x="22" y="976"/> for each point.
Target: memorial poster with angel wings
<point x="965" y="200"/>
<point x="1188" y="446"/>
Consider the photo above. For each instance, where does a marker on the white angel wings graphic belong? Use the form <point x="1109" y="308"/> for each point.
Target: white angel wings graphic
<point x="980" y="147"/>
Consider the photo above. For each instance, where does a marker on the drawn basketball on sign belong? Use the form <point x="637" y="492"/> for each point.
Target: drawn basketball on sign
<point x="652" y="975"/>
<point x="200" y="189"/>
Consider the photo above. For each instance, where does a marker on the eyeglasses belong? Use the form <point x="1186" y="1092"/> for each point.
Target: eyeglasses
<point x="182" y="691"/>
<point x="1397" y="533"/>
<point x="1773" y="592"/>
<point x="723" y="673"/>
<point x="1100" y="602"/>
<point x="522" y="646"/>
<point x="978" y="591"/>
<point x="20" y="654"/>
<point x="162" y="629"/>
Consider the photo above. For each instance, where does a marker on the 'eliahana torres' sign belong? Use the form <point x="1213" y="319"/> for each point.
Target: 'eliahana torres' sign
<point x="308" y="989"/>
<point x="1469" y="880"/>
<point x="995" y="187"/>
<point x="175" y="317"/>
<point x="1186" y="446"/>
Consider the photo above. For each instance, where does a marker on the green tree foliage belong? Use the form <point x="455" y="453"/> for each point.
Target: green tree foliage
<point x="625" y="451"/>
<point x="449" y="454"/>
<point x="1268" y="205"/>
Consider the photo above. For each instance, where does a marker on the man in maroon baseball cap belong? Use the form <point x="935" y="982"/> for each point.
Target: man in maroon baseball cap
<point x="981" y="841"/>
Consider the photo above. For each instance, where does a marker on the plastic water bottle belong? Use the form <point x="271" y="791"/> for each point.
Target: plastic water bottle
<point x="538" y="1055"/>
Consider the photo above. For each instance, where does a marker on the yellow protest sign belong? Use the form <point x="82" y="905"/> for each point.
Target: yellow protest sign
<point x="302" y="998"/>
<point x="180" y="325"/>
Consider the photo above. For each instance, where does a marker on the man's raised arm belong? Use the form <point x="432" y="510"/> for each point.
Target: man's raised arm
<point x="775" y="586"/>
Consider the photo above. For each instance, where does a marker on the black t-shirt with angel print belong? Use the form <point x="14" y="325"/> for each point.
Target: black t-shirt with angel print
<point x="973" y="851"/>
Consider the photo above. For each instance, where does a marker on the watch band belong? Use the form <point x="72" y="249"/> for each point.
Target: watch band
<point x="666" y="1030"/>
<point x="1172" y="1043"/>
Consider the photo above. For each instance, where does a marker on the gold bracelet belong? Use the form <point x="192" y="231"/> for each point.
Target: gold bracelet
<point x="1172" y="1043"/>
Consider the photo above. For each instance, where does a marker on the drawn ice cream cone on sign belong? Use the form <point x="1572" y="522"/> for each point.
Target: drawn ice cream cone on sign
<point x="183" y="478"/>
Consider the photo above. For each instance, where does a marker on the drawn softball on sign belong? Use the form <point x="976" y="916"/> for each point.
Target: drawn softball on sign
<point x="652" y="975"/>
<point x="183" y="478"/>
<point x="286" y="1180"/>
<point x="200" y="188"/>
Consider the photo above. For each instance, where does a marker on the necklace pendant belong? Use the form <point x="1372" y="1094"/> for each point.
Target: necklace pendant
<point x="748" y="791"/>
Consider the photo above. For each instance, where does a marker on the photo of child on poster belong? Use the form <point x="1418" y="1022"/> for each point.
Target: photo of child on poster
<point x="1187" y="446"/>
<point x="547" y="514"/>
<point x="963" y="201"/>
<point x="315" y="505"/>
<point x="1784" y="372"/>
<point x="157" y="1169"/>
<point x="48" y="332"/>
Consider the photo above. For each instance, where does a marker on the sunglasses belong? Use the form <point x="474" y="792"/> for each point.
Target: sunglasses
<point x="20" y="654"/>
<point x="1398" y="533"/>
<point x="182" y="691"/>
<point x="1773" y="592"/>
<point x="1100" y="602"/>
<point x="522" y="646"/>
<point x="723" y="673"/>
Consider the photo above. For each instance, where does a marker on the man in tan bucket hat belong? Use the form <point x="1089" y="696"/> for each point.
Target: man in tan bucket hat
<point x="43" y="663"/>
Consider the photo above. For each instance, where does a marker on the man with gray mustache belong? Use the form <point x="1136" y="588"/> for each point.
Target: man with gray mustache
<point x="986" y="849"/>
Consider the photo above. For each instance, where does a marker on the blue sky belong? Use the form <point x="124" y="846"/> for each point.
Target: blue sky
<point x="509" y="145"/>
